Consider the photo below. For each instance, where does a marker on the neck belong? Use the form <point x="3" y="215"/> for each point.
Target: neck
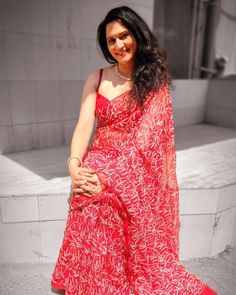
<point x="125" y="69"/>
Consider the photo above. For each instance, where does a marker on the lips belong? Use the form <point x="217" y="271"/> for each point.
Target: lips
<point x="122" y="53"/>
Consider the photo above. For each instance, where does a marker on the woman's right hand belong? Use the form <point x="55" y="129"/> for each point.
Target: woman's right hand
<point x="84" y="181"/>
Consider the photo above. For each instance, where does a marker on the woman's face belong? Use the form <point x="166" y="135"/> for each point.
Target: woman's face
<point x="121" y="43"/>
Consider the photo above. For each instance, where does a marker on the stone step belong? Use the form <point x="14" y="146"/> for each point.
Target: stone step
<point x="35" y="188"/>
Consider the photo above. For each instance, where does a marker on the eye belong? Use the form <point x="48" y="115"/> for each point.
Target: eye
<point x="123" y="36"/>
<point x="111" y="41"/>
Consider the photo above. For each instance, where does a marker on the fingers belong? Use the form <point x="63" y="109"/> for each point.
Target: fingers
<point x="81" y="182"/>
<point x="88" y="190"/>
<point x="83" y="188"/>
<point x="86" y="182"/>
<point x="82" y="176"/>
<point x="84" y="193"/>
<point x="86" y="171"/>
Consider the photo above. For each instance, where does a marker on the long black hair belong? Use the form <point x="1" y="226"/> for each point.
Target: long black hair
<point x="150" y="69"/>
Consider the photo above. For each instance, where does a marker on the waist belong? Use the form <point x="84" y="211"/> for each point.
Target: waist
<point x="110" y="139"/>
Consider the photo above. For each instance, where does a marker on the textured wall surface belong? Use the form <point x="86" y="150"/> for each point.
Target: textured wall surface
<point x="173" y="27"/>
<point x="189" y="101"/>
<point x="225" y="43"/>
<point x="47" y="48"/>
<point x="221" y="103"/>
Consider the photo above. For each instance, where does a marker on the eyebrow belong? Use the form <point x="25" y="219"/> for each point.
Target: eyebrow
<point x="113" y="36"/>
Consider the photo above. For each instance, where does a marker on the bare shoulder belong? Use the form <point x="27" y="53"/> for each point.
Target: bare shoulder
<point x="92" y="79"/>
<point x="108" y="70"/>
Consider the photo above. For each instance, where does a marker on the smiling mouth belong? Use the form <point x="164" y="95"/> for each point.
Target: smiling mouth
<point x="123" y="52"/>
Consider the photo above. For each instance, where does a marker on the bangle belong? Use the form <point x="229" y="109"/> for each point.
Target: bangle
<point x="74" y="157"/>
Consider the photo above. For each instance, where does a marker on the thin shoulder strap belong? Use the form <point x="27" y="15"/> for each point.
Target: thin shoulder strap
<point x="100" y="78"/>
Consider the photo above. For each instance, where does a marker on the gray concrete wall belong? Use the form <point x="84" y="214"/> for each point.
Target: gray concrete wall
<point x="47" y="48"/>
<point x="225" y="43"/>
<point x="221" y="103"/>
<point x="189" y="101"/>
<point x="173" y="23"/>
<point x="172" y="18"/>
<point x="233" y="241"/>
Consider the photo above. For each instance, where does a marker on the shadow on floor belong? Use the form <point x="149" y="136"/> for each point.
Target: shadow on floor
<point x="50" y="163"/>
<point x="202" y="134"/>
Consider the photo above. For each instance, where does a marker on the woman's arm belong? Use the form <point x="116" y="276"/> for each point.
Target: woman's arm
<point x="84" y="180"/>
<point x="84" y="127"/>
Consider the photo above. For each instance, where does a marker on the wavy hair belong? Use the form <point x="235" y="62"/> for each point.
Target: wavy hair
<point x="150" y="70"/>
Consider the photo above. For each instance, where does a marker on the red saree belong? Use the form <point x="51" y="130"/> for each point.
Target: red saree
<point x="125" y="240"/>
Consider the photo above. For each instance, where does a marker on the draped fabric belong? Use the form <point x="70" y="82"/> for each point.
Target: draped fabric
<point x="125" y="240"/>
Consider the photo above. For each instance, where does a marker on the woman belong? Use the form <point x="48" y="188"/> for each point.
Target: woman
<point x="122" y="231"/>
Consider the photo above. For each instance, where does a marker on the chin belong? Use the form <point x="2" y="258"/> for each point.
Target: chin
<point x="126" y="59"/>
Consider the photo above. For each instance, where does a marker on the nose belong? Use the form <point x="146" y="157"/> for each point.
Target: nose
<point x="119" y="44"/>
